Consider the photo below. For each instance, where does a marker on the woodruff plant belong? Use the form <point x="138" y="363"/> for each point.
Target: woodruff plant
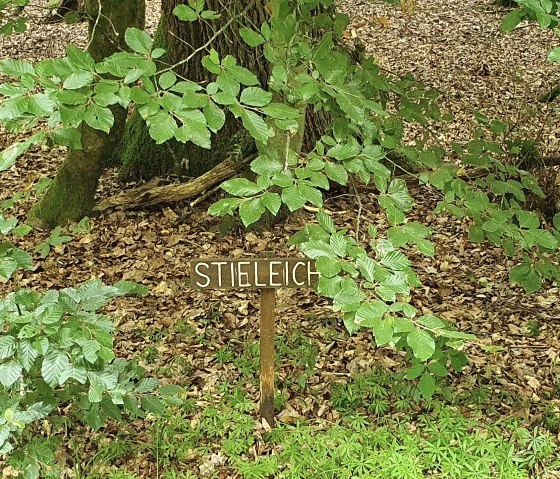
<point x="367" y="275"/>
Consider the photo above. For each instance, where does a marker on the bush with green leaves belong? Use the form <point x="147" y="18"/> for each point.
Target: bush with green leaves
<point x="366" y="273"/>
<point x="56" y="348"/>
<point x="56" y="351"/>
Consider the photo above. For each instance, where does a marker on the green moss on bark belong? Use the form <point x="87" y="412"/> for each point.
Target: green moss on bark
<point x="71" y="194"/>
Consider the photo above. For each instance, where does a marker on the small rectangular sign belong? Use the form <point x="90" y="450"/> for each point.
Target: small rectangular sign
<point x="253" y="273"/>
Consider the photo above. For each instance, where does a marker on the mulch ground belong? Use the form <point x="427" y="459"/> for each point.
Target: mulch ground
<point x="454" y="47"/>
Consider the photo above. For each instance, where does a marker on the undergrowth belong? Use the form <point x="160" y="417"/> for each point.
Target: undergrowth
<point x="379" y="428"/>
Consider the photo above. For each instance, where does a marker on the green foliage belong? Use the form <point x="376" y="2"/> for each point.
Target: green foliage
<point x="494" y="201"/>
<point x="56" y="350"/>
<point x="368" y="276"/>
<point x="382" y="432"/>
<point x="544" y="12"/>
<point x="12" y="19"/>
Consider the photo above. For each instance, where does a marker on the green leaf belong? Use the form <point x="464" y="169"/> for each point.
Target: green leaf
<point x="415" y="371"/>
<point x="371" y="312"/>
<point x="431" y="322"/>
<point x="90" y="349"/>
<point x="255" y="125"/>
<point x="210" y="15"/>
<point x="80" y="58"/>
<point x="251" y="210"/>
<point x="327" y="267"/>
<point x="138" y="41"/>
<point x="326" y="222"/>
<point x="425" y="247"/>
<point x="162" y="127"/>
<point x="7" y="267"/>
<point x="339" y="243"/>
<point x="215" y="117"/>
<point x="527" y="219"/>
<point x="10" y="372"/>
<point x="317" y="248"/>
<point x="292" y="198"/>
<point x="78" y="80"/>
<point x="395" y="216"/>
<point x="531" y="281"/>
<point x="225" y="206"/>
<point x="95" y="393"/>
<point x="395" y="261"/>
<point x="7" y="346"/>
<point x="157" y="53"/>
<point x="427" y="386"/>
<point x="224" y="98"/>
<point x="422" y="344"/>
<point x="555" y="221"/>
<point x="367" y="267"/>
<point x="70" y="137"/>
<point x="152" y="404"/>
<point x="99" y="118"/>
<point x="255" y="96"/>
<point x="94" y="419"/>
<point x="241" y="187"/>
<point x="476" y="233"/>
<point x="272" y="202"/>
<point x="52" y="314"/>
<point x="130" y="287"/>
<point x="438" y="369"/>
<point x="242" y="75"/>
<point x="554" y="55"/>
<point x="185" y="13"/>
<point x="511" y="20"/>
<point x="545" y="238"/>
<point x="251" y="38"/>
<point x="266" y="166"/>
<point x="280" y="111"/>
<point x="167" y="80"/>
<point x="16" y="68"/>
<point x="194" y="131"/>
<point x="10" y="155"/>
<point x="336" y="172"/>
<point x="26" y="354"/>
<point x="54" y="366"/>
<point x="312" y="195"/>
<point x="398" y="191"/>
<point x="344" y="151"/>
<point x="146" y="385"/>
<point x="383" y="331"/>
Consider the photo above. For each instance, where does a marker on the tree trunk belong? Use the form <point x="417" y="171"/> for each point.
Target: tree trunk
<point x="64" y="8"/>
<point x="140" y="157"/>
<point x="71" y="194"/>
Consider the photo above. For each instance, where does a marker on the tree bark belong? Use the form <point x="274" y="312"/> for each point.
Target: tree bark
<point x="71" y="194"/>
<point x="152" y="193"/>
<point x="140" y="157"/>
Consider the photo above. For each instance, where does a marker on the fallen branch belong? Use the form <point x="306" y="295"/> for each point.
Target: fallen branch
<point x="152" y="193"/>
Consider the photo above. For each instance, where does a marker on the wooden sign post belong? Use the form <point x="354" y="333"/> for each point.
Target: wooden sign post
<point x="265" y="274"/>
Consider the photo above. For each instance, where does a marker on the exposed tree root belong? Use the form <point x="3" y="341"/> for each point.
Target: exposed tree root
<point x="152" y="193"/>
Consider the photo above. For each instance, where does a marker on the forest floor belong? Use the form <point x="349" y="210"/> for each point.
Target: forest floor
<point x="206" y="339"/>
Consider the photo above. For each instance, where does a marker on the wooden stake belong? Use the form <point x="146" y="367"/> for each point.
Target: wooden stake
<point x="268" y="305"/>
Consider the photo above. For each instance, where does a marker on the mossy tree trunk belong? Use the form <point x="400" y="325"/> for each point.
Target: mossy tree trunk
<point x="140" y="157"/>
<point x="71" y="194"/>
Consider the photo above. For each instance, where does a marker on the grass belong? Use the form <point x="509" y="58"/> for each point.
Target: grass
<point x="384" y="431"/>
<point x="377" y="426"/>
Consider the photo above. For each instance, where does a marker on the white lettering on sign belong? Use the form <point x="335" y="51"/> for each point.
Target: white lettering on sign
<point x="197" y="269"/>
<point x="254" y="273"/>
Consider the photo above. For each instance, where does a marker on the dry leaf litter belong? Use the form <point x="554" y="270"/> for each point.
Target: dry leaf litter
<point x="455" y="47"/>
